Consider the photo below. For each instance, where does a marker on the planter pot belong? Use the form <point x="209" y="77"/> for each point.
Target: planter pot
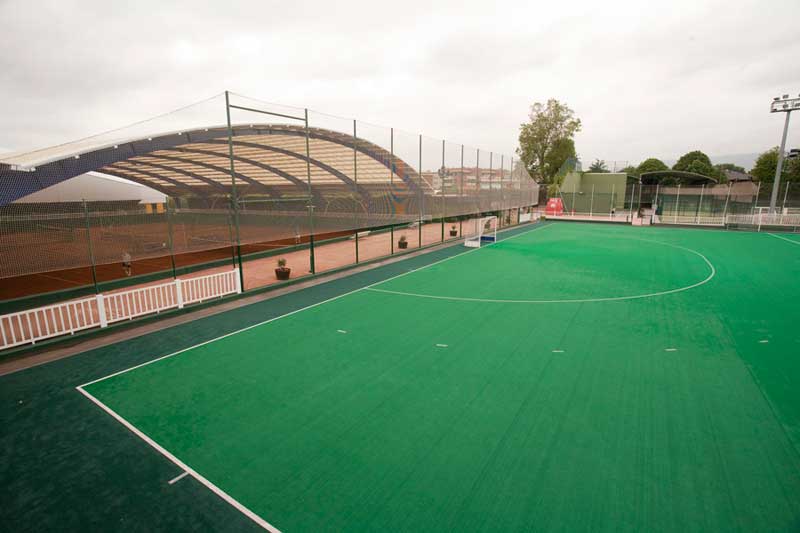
<point x="402" y="245"/>
<point x="283" y="273"/>
<point x="453" y="233"/>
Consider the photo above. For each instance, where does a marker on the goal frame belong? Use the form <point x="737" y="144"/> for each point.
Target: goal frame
<point x="483" y="236"/>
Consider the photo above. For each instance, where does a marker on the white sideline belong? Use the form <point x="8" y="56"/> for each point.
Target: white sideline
<point x="783" y="238"/>
<point x="187" y="470"/>
<point x="216" y="490"/>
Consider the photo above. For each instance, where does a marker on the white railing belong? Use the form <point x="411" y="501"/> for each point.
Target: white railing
<point x="65" y="318"/>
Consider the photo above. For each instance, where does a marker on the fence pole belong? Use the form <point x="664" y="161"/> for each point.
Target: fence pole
<point x="170" y="239"/>
<point x="444" y="209"/>
<point x="591" y="203"/>
<point x="461" y="196"/>
<point x="611" y="207"/>
<point x="725" y="209"/>
<point x="421" y="193"/>
<point x="310" y="197"/>
<point x="785" y="194"/>
<point x="633" y="193"/>
<point x="678" y="203"/>
<point x="91" y="249"/>
<point x="355" y="181"/>
<point x="699" y="204"/>
<point x="234" y="198"/>
<point x="755" y="204"/>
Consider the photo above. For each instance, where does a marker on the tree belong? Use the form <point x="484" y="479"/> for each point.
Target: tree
<point x="651" y="165"/>
<point x="696" y="162"/>
<point x="598" y="166"/>
<point x="631" y="170"/>
<point x="767" y="163"/>
<point x="548" y="124"/>
<point x="563" y="151"/>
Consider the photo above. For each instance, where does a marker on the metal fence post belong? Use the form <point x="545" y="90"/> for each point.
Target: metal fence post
<point x="310" y="197"/>
<point x="461" y="195"/>
<point x="591" y="203"/>
<point x="170" y="239"/>
<point x="422" y="193"/>
<point x="444" y="198"/>
<point x="355" y="180"/>
<point x="91" y="249"/>
<point x="699" y="205"/>
<point x="234" y="197"/>
<point x="678" y="203"/>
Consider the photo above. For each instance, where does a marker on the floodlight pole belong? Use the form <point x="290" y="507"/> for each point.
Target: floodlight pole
<point x="774" y="198"/>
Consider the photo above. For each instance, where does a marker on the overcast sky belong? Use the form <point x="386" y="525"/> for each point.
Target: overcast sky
<point x="645" y="81"/>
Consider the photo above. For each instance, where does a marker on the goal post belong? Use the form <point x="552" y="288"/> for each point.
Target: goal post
<point x="485" y="233"/>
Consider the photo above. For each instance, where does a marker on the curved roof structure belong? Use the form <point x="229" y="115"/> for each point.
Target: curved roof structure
<point x="268" y="160"/>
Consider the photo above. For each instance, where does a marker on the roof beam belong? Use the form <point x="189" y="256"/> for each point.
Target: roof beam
<point x="268" y="188"/>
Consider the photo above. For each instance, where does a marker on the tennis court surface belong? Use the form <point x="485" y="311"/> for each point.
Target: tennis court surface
<point x="571" y="377"/>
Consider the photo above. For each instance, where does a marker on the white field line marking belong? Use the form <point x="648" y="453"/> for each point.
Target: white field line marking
<point x="765" y="341"/>
<point x="341" y="331"/>
<point x="366" y="287"/>
<point x="442" y="345"/>
<point x="784" y="239"/>
<point x="712" y="273"/>
<point x="558" y="351"/>
<point x="216" y="490"/>
<point x="670" y="349"/>
<point x="178" y="478"/>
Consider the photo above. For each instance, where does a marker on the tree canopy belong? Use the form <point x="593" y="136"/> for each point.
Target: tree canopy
<point x="651" y="165"/>
<point x="767" y="163"/>
<point x="542" y="140"/>
<point x="598" y="166"/>
<point x="631" y="170"/>
<point x="698" y="163"/>
<point x="563" y="150"/>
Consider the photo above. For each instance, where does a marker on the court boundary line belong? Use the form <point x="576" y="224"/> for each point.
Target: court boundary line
<point x="784" y="238"/>
<point x="712" y="273"/>
<point x="185" y="467"/>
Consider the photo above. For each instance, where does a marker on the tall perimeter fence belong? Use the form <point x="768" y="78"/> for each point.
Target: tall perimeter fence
<point x="241" y="185"/>
<point x="736" y="205"/>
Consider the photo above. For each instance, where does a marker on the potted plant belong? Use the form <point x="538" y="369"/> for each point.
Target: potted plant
<point x="282" y="272"/>
<point x="453" y="231"/>
<point x="402" y="243"/>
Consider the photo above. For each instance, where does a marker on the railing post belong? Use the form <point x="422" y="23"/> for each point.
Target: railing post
<point x="238" y="281"/>
<point x="101" y="310"/>
<point x="179" y="292"/>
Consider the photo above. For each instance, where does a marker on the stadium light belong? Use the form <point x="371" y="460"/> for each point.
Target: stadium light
<point x="781" y="104"/>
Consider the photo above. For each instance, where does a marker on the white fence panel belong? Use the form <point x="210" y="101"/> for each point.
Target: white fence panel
<point x="65" y="318"/>
<point x="32" y="325"/>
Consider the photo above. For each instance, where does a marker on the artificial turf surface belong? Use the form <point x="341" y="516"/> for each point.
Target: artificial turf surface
<point x="391" y="411"/>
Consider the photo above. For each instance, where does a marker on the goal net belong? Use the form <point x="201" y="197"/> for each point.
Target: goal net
<point x="486" y="233"/>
